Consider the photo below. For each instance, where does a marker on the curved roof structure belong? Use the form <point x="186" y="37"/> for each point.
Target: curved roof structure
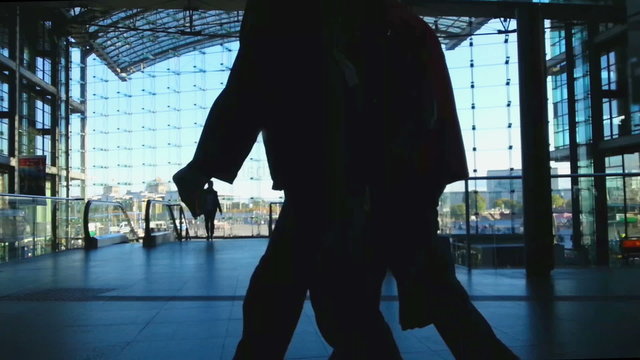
<point x="128" y="40"/>
<point x="129" y="36"/>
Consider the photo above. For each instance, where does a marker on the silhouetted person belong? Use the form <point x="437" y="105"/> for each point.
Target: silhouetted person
<point x="300" y="104"/>
<point x="415" y="137"/>
<point x="211" y="206"/>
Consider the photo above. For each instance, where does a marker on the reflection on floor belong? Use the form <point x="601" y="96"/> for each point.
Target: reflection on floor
<point x="184" y="300"/>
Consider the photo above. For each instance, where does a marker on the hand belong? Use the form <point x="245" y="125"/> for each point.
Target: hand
<point x="190" y="184"/>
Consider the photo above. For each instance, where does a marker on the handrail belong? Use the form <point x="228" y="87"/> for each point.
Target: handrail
<point x="147" y="213"/>
<point x="182" y="221"/>
<point x="39" y="197"/>
<point x="85" y="215"/>
<point x="555" y="176"/>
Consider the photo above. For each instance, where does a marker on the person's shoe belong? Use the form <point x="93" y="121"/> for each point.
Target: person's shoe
<point x="190" y="185"/>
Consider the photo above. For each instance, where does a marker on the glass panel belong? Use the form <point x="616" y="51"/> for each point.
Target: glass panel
<point x="70" y="230"/>
<point x="623" y="204"/>
<point x="451" y="212"/>
<point x="4" y="91"/>
<point x="27" y="225"/>
<point x="75" y="82"/>
<point x="494" y="237"/>
<point x="4" y="37"/>
<point x="76" y="137"/>
<point x="562" y="218"/>
<point x="4" y="136"/>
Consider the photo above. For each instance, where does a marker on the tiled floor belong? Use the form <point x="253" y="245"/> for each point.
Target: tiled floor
<point x="183" y="301"/>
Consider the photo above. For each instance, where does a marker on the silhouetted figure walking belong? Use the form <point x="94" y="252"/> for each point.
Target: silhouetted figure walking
<point x="414" y="133"/>
<point x="211" y="206"/>
<point x="299" y="104"/>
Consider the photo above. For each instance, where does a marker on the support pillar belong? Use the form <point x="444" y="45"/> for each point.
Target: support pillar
<point x="14" y="96"/>
<point x="84" y="54"/>
<point x="599" y="166"/>
<point x="570" y="65"/>
<point x="536" y="172"/>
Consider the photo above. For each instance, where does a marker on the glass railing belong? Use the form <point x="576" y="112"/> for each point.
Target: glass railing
<point x="106" y="223"/>
<point x="38" y="225"/>
<point x="240" y="218"/>
<point x="483" y="220"/>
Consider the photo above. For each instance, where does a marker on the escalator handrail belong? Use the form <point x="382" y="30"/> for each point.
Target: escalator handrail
<point x="87" y="207"/>
<point x="147" y="220"/>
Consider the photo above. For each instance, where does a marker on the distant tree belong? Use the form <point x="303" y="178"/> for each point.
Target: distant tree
<point x="457" y="211"/>
<point x="500" y="203"/>
<point x="557" y="201"/>
<point x="477" y="202"/>
<point x="508" y="204"/>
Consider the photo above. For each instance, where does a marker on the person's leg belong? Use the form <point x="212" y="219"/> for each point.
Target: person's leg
<point x="352" y="323"/>
<point x="212" y="227"/>
<point x="275" y="297"/>
<point x="206" y="226"/>
<point x="463" y="328"/>
<point x="345" y="294"/>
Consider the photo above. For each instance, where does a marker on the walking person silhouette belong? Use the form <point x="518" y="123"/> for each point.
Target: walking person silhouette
<point x="300" y="107"/>
<point x="415" y="135"/>
<point x="211" y="206"/>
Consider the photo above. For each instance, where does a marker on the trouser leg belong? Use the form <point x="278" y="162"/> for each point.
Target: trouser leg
<point x="463" y="328"/>
<point x="346" y="299"/>
<point x="424" y="269"/>
<point x="360" y="330"/>
<point x="207" y="226"/>
<point x="274" y="299"/>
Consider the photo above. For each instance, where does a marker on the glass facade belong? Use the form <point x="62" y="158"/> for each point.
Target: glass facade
<point x="35" y="96"/>
<point x="560" y="111"/>
<point x="35" y="126"/>
<point x="119" y="130"/>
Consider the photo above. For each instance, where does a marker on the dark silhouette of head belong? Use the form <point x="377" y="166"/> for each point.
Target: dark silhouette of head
<point x="209" y="184"/>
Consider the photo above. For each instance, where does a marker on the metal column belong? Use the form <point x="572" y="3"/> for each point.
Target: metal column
<point x="14" y="105"/>
<point x="536" y="173"/>
<point x="84" y="54"/>
<point x="570" y="65"/>
<point x="599" y="167"/>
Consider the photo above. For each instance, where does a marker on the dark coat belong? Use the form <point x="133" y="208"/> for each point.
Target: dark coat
<point x="422" y="127"/>
<point x="423" y="151"/>
<point x="296" y="101"/>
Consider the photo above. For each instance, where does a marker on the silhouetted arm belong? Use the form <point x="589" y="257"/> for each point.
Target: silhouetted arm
<point x="236" y="117"/>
